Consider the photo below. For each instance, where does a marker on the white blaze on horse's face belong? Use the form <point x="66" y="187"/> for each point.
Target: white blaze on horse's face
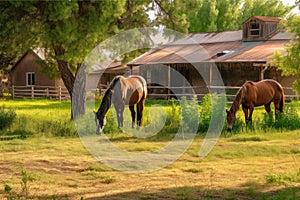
<point x="230" y="118"/>
<point x="100" y="123"/>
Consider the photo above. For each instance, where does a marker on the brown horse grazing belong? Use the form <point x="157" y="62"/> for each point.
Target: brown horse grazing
<point x="253" y="94"/>
<point x="123" y="91"/>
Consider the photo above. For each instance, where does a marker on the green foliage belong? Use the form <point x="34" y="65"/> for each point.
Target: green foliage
<point x="27" y="177"/>
<point x="7" y="188"/>
<point x="7" y="116"/>
<point x="289" y="61"/>
<point x="112" y="125"/>
<point x="173" y="118"/>
<point x="288" y="120"/>
<point x="220" y="15"/>
<point x="211" y="105"/>
<point x="190" y="114"/>
<point x="283" y="178"/>
<point x="59" y="128"/>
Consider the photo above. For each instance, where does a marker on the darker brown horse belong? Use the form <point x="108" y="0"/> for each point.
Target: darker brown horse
<point x="123" y="91"/>
<point x="253" y="94"/>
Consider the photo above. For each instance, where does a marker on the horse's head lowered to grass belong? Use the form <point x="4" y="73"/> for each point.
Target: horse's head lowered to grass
<point x="253" y="94"/>
<point x="123" y="91"/>
<point x="100" y="123"/>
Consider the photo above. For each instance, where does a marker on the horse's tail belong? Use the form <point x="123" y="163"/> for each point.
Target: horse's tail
<point x="282" y="100"/>
<point x="144" y="84"/>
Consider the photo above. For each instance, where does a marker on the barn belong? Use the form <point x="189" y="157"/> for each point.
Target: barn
<point x="208" y="61"/>
<point x="28" y="81"/>
<point x="102" y="77"/>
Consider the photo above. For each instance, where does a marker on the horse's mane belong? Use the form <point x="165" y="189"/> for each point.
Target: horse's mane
<point x="113" y="83"/>
<point x="106" y="101"/>
<point x="239" y="97"/>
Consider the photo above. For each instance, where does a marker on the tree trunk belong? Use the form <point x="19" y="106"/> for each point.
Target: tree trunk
<point x="79" y="92"/>
<point x="74" y="85"/>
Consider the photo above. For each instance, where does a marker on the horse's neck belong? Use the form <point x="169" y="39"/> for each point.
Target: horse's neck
<point x="105" y="104"/>
<point x="237" y="101"/>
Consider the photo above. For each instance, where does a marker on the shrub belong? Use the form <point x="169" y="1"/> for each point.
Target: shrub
<point x="112" y="123"/>
<point x="190" y="114"/>
<point x="63" y="128"/>
<point x="7" y="117"/>
<point x="288" y="120"/>
<point x="173" y="118"/>
<point x="212" y="106"/>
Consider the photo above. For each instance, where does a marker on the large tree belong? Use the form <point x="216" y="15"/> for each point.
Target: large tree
<point x="289" y="61"/>
<point x="220" y="15"/>
<point x="69" y="30"/>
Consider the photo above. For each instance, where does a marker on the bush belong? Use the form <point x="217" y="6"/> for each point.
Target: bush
<point x="7" y="117"/>
<point x="190" y="114"/>
<point x="288" y="120"/>
<point x="212" y="106"/>
<point x="173" y="118"/>
<point x="57" y="128"/>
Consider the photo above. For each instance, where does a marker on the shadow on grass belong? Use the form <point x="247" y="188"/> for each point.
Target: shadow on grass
<point x="246" y="191"/>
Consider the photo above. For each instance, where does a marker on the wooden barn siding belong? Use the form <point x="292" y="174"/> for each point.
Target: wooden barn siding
<point x="266" y="30"/>
<point x="198" y="75"/>
<point x="29" y="64"/>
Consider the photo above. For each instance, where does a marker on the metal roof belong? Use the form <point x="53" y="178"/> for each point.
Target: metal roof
<point x="266" y="19"/>
<point x="114" y="67"/>
<point x="226" y="46"/>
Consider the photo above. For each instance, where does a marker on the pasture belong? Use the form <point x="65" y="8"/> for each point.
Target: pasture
<point x="51" y="162"/>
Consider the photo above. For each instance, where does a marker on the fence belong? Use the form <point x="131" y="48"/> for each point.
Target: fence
<point x="230" y="92"/>
<point x="161" y="92"/>
<point x="39" y="92"/>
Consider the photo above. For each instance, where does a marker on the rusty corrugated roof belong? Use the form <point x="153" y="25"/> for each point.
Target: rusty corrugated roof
<point x="267" y="19"/>
<point x="258" y="53"/>
<point x="224" y="46"/>
<point x="114" y="67"/>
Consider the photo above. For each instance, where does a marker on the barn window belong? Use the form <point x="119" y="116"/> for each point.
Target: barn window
<point x="254" y="28"/>
<point x="30" y="78"/>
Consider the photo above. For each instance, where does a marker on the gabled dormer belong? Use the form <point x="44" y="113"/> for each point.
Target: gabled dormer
<point x="260" y="28"/>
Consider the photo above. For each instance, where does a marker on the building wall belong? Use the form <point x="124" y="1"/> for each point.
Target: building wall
<point x="202" y="75"/>
<point x="29" y="64"/>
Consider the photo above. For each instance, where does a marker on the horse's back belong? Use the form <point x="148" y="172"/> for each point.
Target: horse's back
<point x="134" y="89"/>
<point x="266" y="91"/>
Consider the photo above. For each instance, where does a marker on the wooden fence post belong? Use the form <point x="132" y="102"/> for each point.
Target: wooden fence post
<point x="13" y="91"/>
<point x="47" y="92"/>
<point x="32" y="92"/>
<point x="169" y="82"/>
<point x="59" y="92"/>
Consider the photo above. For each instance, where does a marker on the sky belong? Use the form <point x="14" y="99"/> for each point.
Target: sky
<point x="290" y="3"/>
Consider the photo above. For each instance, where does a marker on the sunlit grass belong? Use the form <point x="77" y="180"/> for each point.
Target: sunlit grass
<point x="240" y="166"/>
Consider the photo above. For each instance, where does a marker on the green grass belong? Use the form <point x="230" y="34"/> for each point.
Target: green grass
<point x="52" y="118"/>
<point x="251" y="163"/>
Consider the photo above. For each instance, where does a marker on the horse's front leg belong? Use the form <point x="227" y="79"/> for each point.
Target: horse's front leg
<point x="251" y="112"/>
<point x="119" y="111"/>
<point x="131" y="108"/>
<point x="245" y="110"/>
<point x="140" y="109"/>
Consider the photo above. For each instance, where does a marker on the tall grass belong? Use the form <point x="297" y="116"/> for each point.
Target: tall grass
<point x="7" y="117"/>
<point x="289" y="119"/>
<point x="52" y="118"/>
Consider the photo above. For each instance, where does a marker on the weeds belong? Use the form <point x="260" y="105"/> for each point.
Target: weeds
<point x="7" y="117"/>
<point x="283" y="178"/>
<point x="27" y="177"/>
